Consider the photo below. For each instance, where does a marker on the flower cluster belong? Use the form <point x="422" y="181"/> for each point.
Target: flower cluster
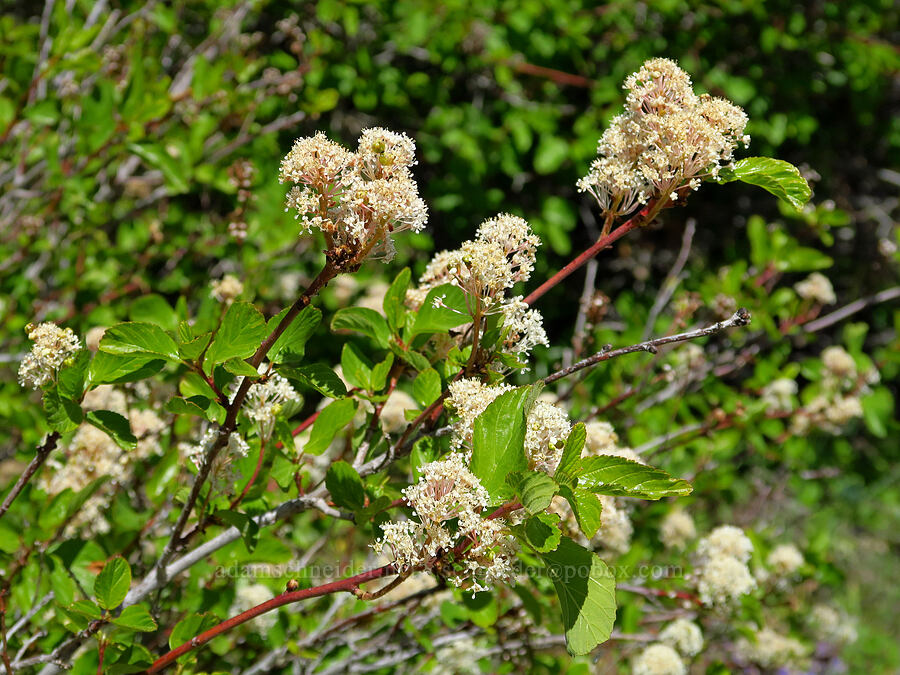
<point x="677" y="529"/>
<point x="52" y="347"/>
<point x="658" y="659"/>
<point x="227" y="289"/>
<point x="785" y="560"/>
<point x="724" y="576"/>
<point x="357" y="199"/>
<point x="778" y="395"/>
<point x="247" y="596"/>
<point x="485" y="268"/>
<point x="665" y="143"/>
<point x="265" y="400"/>
<point x="683" y="635"/>
<point x="450" y="536"/>
<point x="223" y="472"/>
<point x="771" y="649"/>
<point x="816" y="287"/>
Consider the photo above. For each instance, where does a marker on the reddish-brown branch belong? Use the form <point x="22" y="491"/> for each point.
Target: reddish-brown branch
<point x="40" y="457"/>
<point x="348" y="585"/>
<point x="558" y="76"/>
<point x="602" y="243"/>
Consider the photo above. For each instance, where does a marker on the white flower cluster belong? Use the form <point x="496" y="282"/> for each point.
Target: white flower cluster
<point x="778" y="395"/>
<point x="52" y="347"/>
<point x="447" y="501"/>
<point x="223" y="472"/>
<point x="829" y="625"/>
<point x="357" y="199"/>
<point x="546" y="430"/>
<point x="227" y="289"/>
<point x="460" y="657"/>
<point x="485" y="268"/>
<point x="724" y="576"/>
<point x="785" y="559"/>
<point x="665" y="142"/>
<point x="602" y="439"/>
<point x="816" y="287"/>
<point x="658" y="659"/>
<point x="677" y="529"/>
<point x="615" y="525"/>
<point x="770" y="649"/>
<point x="265" y="400"/>
<point x="247" y="596"/>
<point x="683" y="635"/>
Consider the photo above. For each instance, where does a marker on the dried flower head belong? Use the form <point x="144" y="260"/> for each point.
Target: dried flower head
<point x="52" y="347"/>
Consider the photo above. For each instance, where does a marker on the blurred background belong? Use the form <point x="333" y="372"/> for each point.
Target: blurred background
<point x="140" y="144"/>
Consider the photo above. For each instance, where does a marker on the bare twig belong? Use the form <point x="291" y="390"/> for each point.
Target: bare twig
<point x="40" y="457"/>
<point x="739" y="318"/>
<point x="849" y="310"/>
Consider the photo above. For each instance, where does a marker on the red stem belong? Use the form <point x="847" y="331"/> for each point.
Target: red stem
<point x="350" y="585"/>
<point x="603" y="242"/>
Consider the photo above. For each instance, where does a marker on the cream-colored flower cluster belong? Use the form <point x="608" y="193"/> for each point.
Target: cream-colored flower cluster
<point x="249" y="595"/>
<point x="816" y="287"/>
<point x="677" y="529"/>
<point x="227" y="289"/>
<point x="265" y="400"/>
<point x="658" y="659"/>
<point x="546" y="430"/>
<point x="778" y="395"/>
<point x="829" y="625"/>
<point x="723" y="575"/>
<point x="771" y="649"/>
<point x="450" y="536"/>
<point x="485" y="268"/>
<point x="665" y="143"/>
<point x="683" y="635"/>
<point x="357" y="199"/>
<point x="785" y="560"/>
<point x="223" y="472"/>
<point x="52" y="347"/>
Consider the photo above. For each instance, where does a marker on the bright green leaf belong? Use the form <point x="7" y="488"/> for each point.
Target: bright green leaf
<point x="115" y="426"/>
<point x="345" y="486"/>
<point x="111" y="585"/>
<point x="332" y="418"/>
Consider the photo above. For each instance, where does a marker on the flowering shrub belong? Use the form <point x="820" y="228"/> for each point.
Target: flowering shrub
<point x="204" y="426"/>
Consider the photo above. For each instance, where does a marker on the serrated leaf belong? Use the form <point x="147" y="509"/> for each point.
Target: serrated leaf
<point x="291" y="345"/>
<point x="240" y="367"/>
<point x="345" y="486"/>
<point x="243" y="329"/>
<point x="453" y="311"/>
<point x="332" y="418"/>
<point x="113" y="369"/>
<point x="72" y="377"/>
<point x="136" y="617"/>
<point x="139" y="339"/>
<point x="356" y="367"/>
<point x="112" y="584"/>
<point x="499" y="441"/>
<point x="566" y="470"/>
<point x="394" y="303"/>
<point x="586" y="507"/>
<point x="318" y="376"/>
<point x="776" y="176"/>
<point x="380" y="372"/>
<point x="586" y="591"/>
<point x="63" y="414"/>
<point x="191" y="626"/>
<point x="427" y="387"/>
<point x="362" y="320"/>
<point x="542" y="532"/>
<point x="115" y="426"/>
<point x="192" y="349"/>
<point x="534" y="489"/>
<point x="620" y="477"/>
<point x="85" y="608"/>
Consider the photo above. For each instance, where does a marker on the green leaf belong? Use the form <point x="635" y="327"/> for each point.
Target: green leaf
<point x="567" y="469"/>
<point x="587" y="596"/>
<point x="85" y="608"/>
<point x="542" y="532"/>
<point x="318" y="376"/>
<point x="72" y="378"/>
<point x="115" y="426"/>
<point x="534" y="489"/>
<point x="499" y="440"/>
<point x="380" y="372"/>
<point x="192" y="349"/>
<point x="136" y="617"/>
<point x="191" y="626"/>
<point x="240" y="367"/>
<point x="362" y="320"/>
<point x="139" y="339"/>
<point x="780" y="178"/>
<point x="156" y="157"/>
<point x="63" y="414"/>
<point x="345" y="486"/>
<point x="333" y="417"/>
<point x="427" y="387"/>
<point x="243" y="329"/>
<point x="878" y="410"/>
<point x="587" y="508"/>
<point x="453" y="313"/>
<point x="134" y="658"/>
<point x="622" y="477"/>
<point x="154" y="309"/>
<point x="195" y="405"/>
<point x="394" y="303"/>
<point x="291" y="344"/>
<point x="357" y="368"/>
<point x="113" y="369"/>
<point x="111" y="585"/>
<point x="248" y="527"/>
